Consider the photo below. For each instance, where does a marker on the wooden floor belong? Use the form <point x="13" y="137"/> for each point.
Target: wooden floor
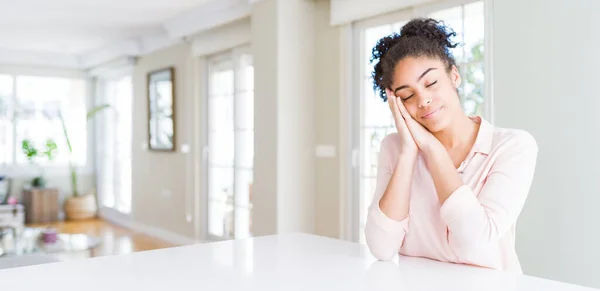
<point x="115" y="240"/>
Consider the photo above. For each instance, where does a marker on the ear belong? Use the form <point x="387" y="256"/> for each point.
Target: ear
<point x="455" y="77"/>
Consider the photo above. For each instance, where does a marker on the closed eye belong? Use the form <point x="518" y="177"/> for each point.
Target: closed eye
<point x="432" y="84"/>
<point x="404" y="99"/>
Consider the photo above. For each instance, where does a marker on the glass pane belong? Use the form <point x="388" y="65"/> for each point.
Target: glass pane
<point x="246" y="73"/>
<point x="5" y="107"/>
<point x="372" y="35"/>
<point x="6" y="86"/>
<point x="474" y="31"/>
<point x="40" y="100"/>
<point x="244" y="150"/>
<point x="220" y="184"/>
<point x="220" y="217"/>
<point x="6" y="128"/>
<point x="473" y="71"/>
<point x="39" y="130"/>
<point x="6" y="92"/>
<point x="221" y="83"/>
<point x="6" y="141"/>
<point x="472" y="88"/>
<point x="245" y="110"/>
<point x="243" y="185"/>
<point x="371" y="145"/>
<point x="123" y="105"/>
<point x="220" y="113"/>
<point x="106" y="187"/>
<point x="106" y="155"/>
<point x="376" y="111"/>
<point x="249" y="76"/>
<point x="161" y="131"/>
<point x="453" y="17"/>
<point x="221" y="145"/>
<point x="242" y="223"/>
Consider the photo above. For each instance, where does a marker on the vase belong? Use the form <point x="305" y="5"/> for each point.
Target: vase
<point x="81" y="207"/>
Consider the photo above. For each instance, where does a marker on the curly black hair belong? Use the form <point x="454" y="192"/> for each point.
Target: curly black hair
<point x="419" y="37"/>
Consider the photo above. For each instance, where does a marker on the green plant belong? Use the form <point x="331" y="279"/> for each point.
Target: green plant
<point x="51" y="149"/>
<point x="29" y="150"/>
<point x="32" y="152"/>
<point x="73" y="171"/>
<point x="473" y="84"/>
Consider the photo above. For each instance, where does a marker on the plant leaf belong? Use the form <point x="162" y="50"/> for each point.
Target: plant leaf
<point x="95" y="110"/>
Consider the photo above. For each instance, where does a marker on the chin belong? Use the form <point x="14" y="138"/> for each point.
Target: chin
<point x="433" y="128"/>
<point x="436" y="123"/>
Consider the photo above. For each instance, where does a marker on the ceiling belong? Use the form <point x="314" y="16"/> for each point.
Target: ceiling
<point x="78" y="27"/>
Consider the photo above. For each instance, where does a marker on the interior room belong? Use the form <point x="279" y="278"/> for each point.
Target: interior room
<point x="132" y="128"/>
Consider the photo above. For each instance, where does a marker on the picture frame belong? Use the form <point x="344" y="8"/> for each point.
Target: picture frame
<point x="161" y="110"/>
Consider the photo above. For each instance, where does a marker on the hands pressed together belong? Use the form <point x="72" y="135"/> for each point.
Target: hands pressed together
<point x="414" y="139"/>
<point x="413" y="135"/>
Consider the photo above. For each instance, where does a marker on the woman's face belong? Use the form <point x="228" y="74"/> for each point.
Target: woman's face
<point x="427" y="91"/>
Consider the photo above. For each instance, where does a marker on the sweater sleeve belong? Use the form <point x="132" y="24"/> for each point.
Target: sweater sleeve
<point x="480" y="219"/>
<point x="384" y="236"/>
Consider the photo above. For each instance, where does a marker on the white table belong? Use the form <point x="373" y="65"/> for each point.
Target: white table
<point x="284" y="262"/>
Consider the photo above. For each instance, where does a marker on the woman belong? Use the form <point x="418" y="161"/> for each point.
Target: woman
<point x="449" y="187"/>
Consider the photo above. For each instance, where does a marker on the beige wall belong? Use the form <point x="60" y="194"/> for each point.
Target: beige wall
<point x="297" y="107"/>
<point x="327" y="122"/>
<point x="162" y="184"/>
<point x="264" y="47"/>
<point x="283" y="47"/>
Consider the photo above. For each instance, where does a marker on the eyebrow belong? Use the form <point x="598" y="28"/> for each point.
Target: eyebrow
<point x="419" y="79"/>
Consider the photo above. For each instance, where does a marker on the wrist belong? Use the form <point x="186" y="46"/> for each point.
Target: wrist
<point x="408" y="155"/>
<point x="433" y="149"/>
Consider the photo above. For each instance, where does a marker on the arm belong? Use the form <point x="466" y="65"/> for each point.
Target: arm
<point x="387" y="220"/>
<point x="481" y="219"/>
<point x="445" y="177"/>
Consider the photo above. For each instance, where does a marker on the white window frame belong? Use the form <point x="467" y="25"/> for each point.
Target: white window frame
<point x="232" y="55"/>
<point x="26" y="171"/>
<point x="350" y="87"/>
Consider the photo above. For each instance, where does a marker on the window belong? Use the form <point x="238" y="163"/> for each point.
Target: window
<point x="6" y="118"/>
<point x="115" y="143"/>
<point x="467" y="21"/>
<point x="376" y="121"/>
<point x="30" y="108"/>
<point x="231" y="145"/>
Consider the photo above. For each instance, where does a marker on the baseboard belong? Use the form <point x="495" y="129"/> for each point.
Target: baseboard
<point x="126" y="221"/>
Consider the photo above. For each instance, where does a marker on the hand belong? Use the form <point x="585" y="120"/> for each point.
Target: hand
<point x="423" y="138"/>
<point x="407" y="143"/>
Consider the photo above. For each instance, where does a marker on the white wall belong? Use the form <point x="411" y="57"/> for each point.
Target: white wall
<point x="545" y="81"/>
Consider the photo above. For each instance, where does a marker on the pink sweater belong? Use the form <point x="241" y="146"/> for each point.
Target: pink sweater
<point x="476" y="224"/>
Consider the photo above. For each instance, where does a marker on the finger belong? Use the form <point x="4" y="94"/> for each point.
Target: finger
<point x="392" y="103"/>
<point x="403" y="110"/>
<point x="389" y="93"/>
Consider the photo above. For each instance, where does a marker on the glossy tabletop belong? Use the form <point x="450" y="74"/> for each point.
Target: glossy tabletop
<point x="282" y="262"/>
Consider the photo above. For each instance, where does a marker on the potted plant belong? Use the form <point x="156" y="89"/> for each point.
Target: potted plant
<point x="31" y="153"/>
<point x="79" y="205"/>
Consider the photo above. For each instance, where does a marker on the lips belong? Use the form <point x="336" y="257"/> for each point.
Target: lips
<point x="431" y="114"/>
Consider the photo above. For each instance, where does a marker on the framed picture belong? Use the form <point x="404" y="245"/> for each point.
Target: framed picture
<point x="161" y="110"/>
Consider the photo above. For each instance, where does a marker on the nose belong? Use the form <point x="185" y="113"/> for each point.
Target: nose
<point x="424" y="101"/>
